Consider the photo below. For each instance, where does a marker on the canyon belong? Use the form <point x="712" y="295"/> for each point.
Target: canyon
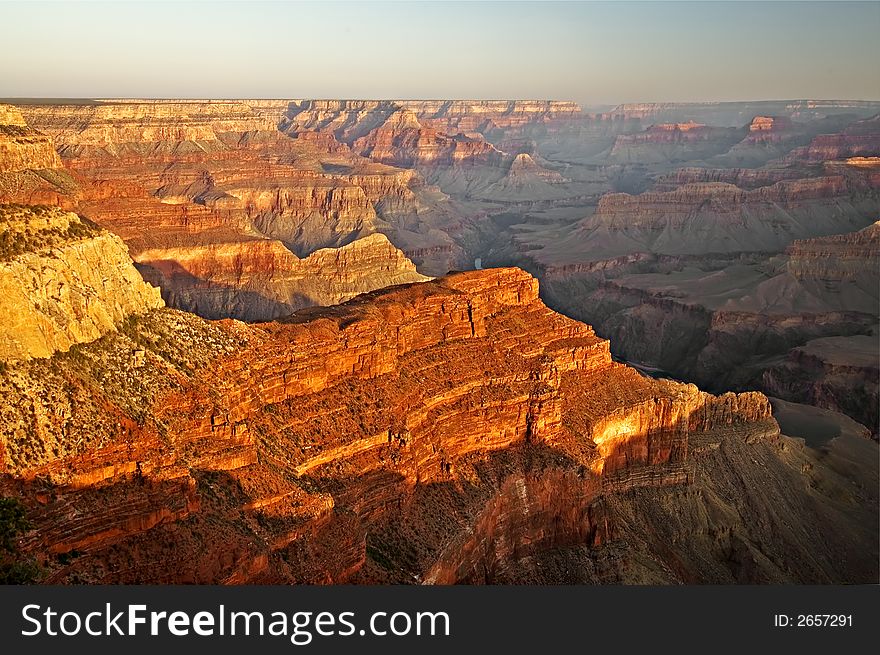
<point x="223" y="210"/>
<point x="454" y="430"/>
<point x="247" y="344"/>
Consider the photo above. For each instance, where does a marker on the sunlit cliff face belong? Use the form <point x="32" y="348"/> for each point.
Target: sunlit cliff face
<point x="458" y="396"/>
<point x="445" y="430"/>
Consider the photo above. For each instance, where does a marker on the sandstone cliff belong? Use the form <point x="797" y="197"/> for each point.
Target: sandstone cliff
<point x="23" y="149"/>
<point x="179" y="180"/>
<point x="763" y="125"/>
<point x="739" y="321"/>
<point x="744" y="178"/>
<point x="852" y="259"/>
<point x="438" y="432"/>
<point x="111" y="123"/>
<point x="447" y="116"/>
<point x="861" y="139"/>
<point x="260" y="279"/>
<point x="389" y="133"/>
<point x="717" y="217"/>
<point x="837" y="373"/>
<point x="664" y="143"/>
<point x="62" y="282"/>
<point x="30" y="169"/>
<point x="455" y="430"/>
<point x="225" y="156"/>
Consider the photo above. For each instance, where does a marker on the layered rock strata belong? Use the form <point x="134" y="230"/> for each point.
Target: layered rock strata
<point x="22" y="148"/>
<point x="63" y="281"/>
<point x="426" y="433"/>
<point x="260" y="279"/>
<point x="111" y="123"/>
<point x="729" y="321"/>
<point x="672" y="142"/>
<point x="735" y="114"/>
<point x="716" y="217"/>
<point x="182" y="180"/>
<point x="448" y="116"/>
<point x="837" y="373"/>
<point x="744" y="178"/>
<point x="30" y="169"/>
<point x="861" y="139"/>
<point x="388" y="132"/>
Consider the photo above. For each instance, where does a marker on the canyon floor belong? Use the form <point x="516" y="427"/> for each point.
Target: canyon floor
<point x="324" y="341"/>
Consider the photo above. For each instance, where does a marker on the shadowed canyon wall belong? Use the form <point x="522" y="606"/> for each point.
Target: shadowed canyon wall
<point x="195" y="187"/>
<point x="445" y="430"/>
<point x="448" y="431"/>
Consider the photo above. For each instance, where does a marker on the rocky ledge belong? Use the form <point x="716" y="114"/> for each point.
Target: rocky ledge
<point x="378" y="440"/>
<point x="63" y="281"/>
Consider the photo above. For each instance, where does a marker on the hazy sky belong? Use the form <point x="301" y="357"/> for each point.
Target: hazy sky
<point x="591" y="52"/>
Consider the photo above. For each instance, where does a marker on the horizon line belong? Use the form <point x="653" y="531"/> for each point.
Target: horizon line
<point x="12" y="99"/>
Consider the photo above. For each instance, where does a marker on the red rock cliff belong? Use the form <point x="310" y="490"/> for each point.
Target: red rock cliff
<point x="189" y="451"/>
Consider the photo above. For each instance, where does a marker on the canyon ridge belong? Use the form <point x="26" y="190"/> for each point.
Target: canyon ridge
<point x="437" y="342"/>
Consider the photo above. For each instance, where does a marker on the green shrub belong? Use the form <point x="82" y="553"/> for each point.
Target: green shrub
<point x="12" y="523"/>
<point x="14" y="569"/>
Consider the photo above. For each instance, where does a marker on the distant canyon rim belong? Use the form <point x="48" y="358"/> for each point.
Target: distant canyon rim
<point x="441" y="341"/>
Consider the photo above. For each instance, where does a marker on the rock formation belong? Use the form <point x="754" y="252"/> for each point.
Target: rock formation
<point x="837" y="373"/>
<point x="110" y="124"/>
<point x="735" y="114"/>
<point x="22" y="148"/>
<point x="860" y="139"/>
<point x="387" y="132"/>
<point x="348" y="118"/>
<point x="524" y="168"/>
<point x="769" y="125"/>
<point x="744" y="178"/>
<point x="726" y="323"/>
<point x="260" y="279"/>
<point x="715" y="217"/>
<point x="402" y="141"/>
<point x="672" y="142"/>
<point x="448" y="431"/>
<point x="30" y="169"/>
<point x="841" y="373"/>
<point x="526" y="181"/>
<point x="838" y="260"/>
<point x="182" y="180"/>
<point x="63" y="281"/>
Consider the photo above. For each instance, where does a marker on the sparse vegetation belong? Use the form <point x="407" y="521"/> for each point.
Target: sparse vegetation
<point x="29" y="228"/>
<point x="14" y="568"/>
